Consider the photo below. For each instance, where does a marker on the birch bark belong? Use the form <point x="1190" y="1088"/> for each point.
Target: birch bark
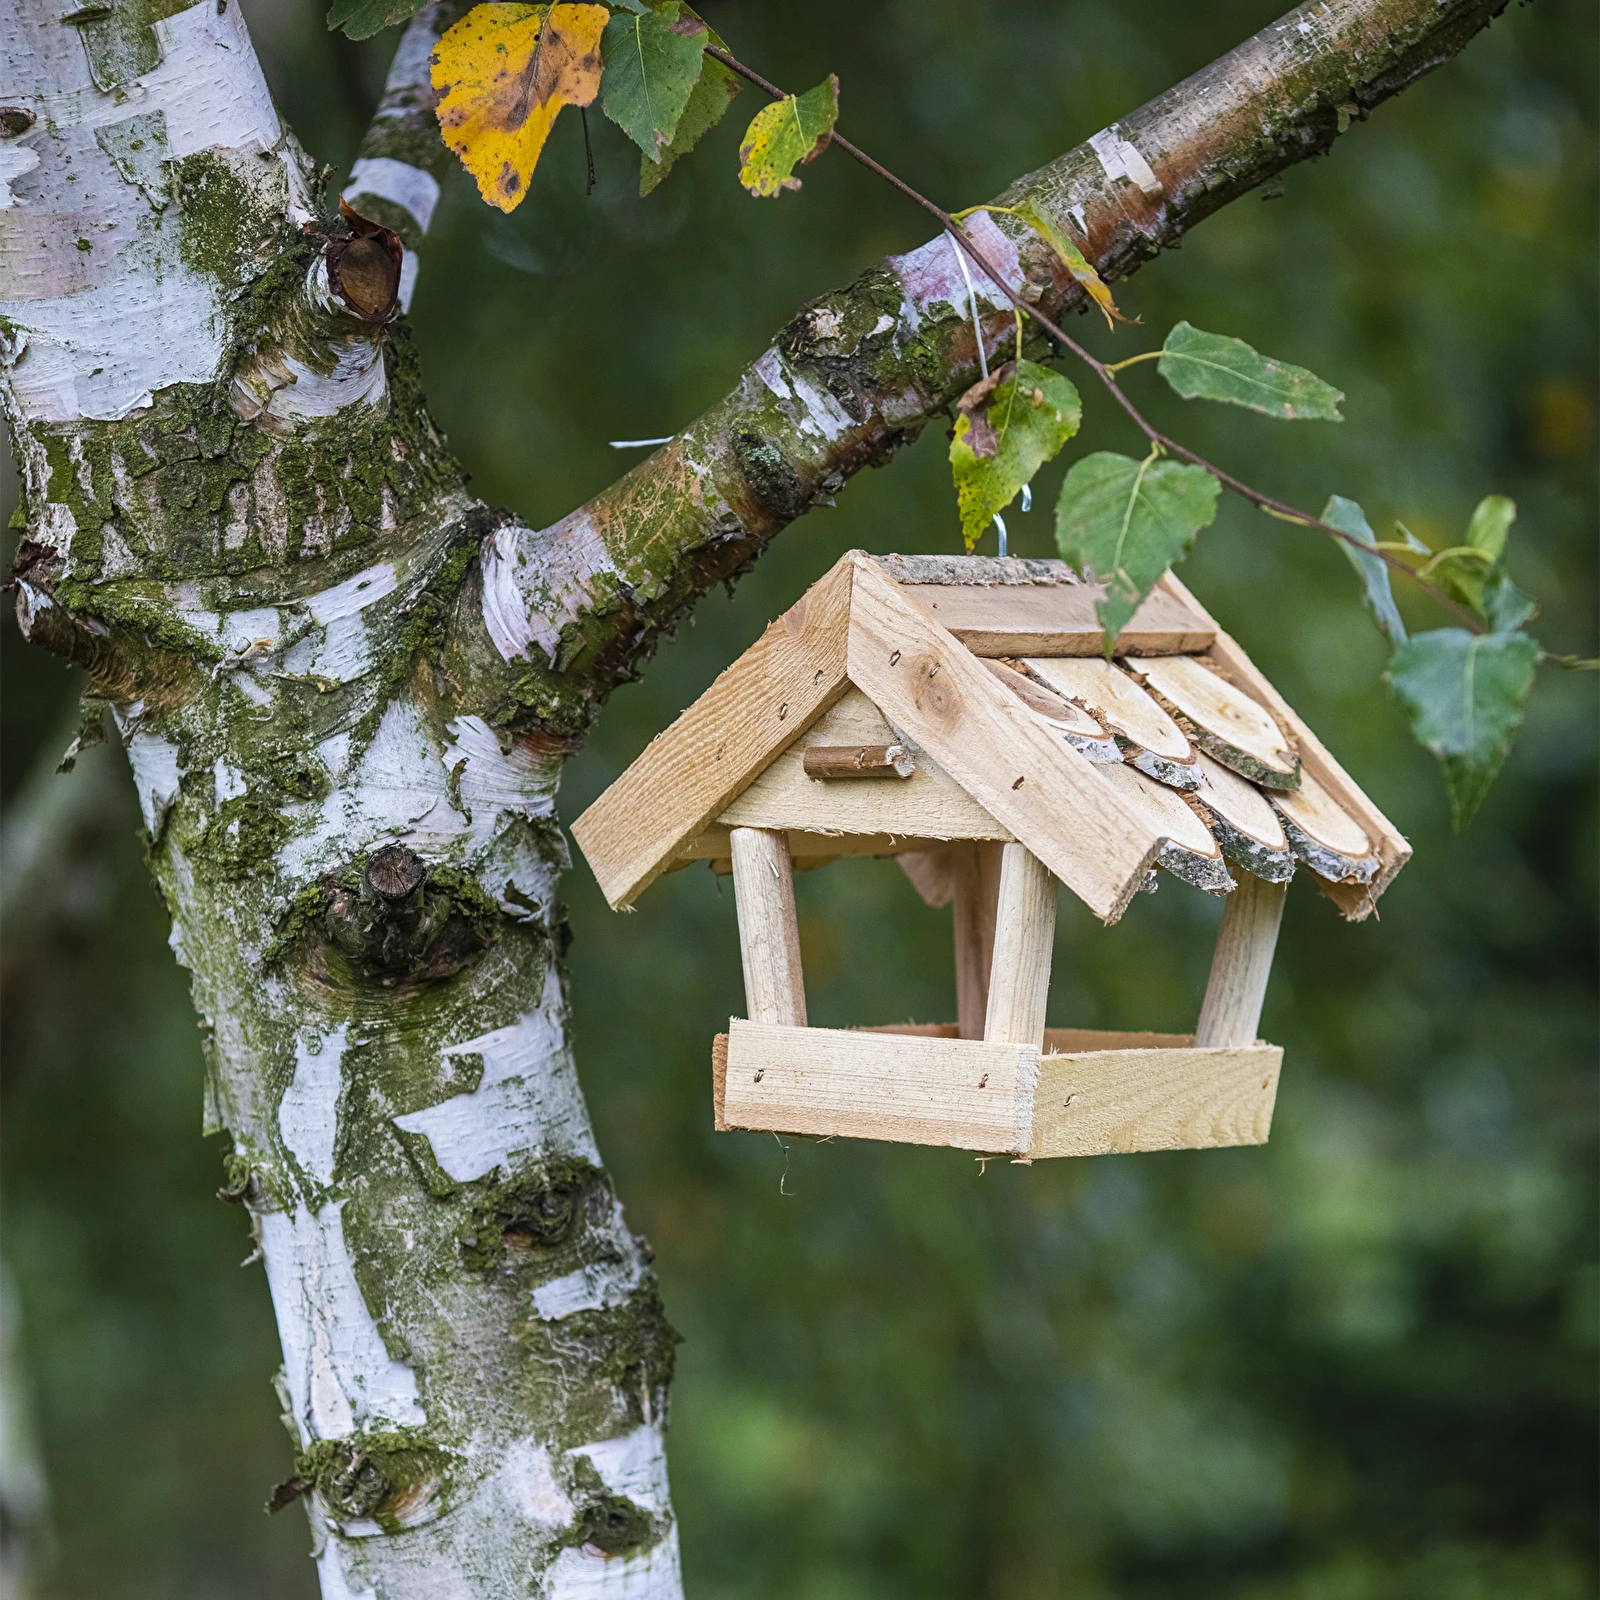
<point x="346" y="690"/>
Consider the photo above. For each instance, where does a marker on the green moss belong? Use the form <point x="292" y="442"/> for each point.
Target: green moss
<point x="182" y="459"/>
<point x="300" y="774"/>
<point x="422" y="634"/>
<point x="386" y="1477"/>
<point x="627" y="1354"/>
<point x="529" y="1216"/>
<point x="136" y="614"/>
<point x="615" y="1525"/>
<point x="305" y="912"/>
<point x="340" y="933"/>
<point x="476" y="908"/>
<point x="560" y="703"/>
<point x="244" y="837"/>
<point x="223" y="220"/>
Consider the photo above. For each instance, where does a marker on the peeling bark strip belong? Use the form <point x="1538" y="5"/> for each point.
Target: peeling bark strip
<point x="346" y="691"/>
<point x="860" y="371"/>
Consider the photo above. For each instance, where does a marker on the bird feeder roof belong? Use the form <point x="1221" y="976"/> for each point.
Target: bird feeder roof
<point x="989" y="677"/>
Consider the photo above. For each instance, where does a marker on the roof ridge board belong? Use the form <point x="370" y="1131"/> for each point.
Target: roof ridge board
<point x="975" y="571"/>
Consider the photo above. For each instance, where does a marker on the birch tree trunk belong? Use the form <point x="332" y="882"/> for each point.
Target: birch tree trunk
<point x="346" y="690"/>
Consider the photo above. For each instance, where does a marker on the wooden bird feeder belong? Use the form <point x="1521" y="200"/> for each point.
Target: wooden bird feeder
<point x="957" y="713"/>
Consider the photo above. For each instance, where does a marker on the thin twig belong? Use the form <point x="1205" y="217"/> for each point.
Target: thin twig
<point x="1107" y="374"/>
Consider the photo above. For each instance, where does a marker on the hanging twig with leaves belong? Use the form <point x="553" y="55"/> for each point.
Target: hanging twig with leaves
<point x="665" y="78"/>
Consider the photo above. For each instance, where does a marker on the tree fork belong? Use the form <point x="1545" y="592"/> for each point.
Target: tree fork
<point x="347" y="691"/>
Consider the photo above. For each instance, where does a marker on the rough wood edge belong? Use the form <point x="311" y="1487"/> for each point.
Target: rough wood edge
<point x="1234" y="757"/>
<point x="719" y="1082"/>
<point x="1355" y="901"/>
<point x="977" y="571"/>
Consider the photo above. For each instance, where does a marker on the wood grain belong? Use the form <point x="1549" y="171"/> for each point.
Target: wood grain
<point x="1112" y="1101"/>
<point x="1057" y="1041"/>
<point x="1118" y="701"/>
<point x="1357" y="901"/>
<point x="860" y="1085"/>
<point x="975" y="884"/>
<point x="1056" y="620"/>
<point x="776" y="689"/>
<point x="769" y="935"/>
<point x="927" y="805"/>
<point x="1024" y="937"/>
<point x="1242" y="963"/>
<point x="1004" y="755"/>
<point x="1221" y="718"/>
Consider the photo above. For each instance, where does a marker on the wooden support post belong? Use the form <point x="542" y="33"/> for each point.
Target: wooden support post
<point x="769" y="936"/>
<point x="1025" y="930"/>
<point x="975" y="872"/>
<point x="1242" y="964"/>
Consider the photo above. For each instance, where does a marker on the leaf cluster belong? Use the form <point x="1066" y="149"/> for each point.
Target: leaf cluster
<point x="659" y="72"/>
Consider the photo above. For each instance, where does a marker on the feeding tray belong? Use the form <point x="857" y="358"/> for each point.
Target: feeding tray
<point x="957" y="713"/>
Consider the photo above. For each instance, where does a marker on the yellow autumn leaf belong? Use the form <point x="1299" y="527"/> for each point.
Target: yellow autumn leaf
<point x="503" y="72"/>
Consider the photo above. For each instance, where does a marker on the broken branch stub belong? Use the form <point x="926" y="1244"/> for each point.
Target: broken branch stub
<point x="364" y="267"/>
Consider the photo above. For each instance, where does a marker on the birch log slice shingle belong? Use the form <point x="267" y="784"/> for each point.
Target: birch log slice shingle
<point x="1080" y="728"/>
<point x="1191" y="851"/>
<point x="1224" y="721"/>
<point x="1146" y="736"/>
<point x="1247" y="827"/>
<point x="1324" y="835"/>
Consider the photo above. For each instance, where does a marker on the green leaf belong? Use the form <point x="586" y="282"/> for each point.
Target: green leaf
<point x="1072" y="258"/>
<point x="1491" y="525"/>
<point x="1211" y="366"/>
<point x="652" y="63"/>
<point x="360" y="19"/>
<point x="1473" y="574"/>
<point x="1127" y="521"/>
<point x="1007" y="427"/>
<point x="786" y="135"/>
<point x="1505" y="606"/>
<point x="1463" y="694"/>
<point x="714" y="91"/>
<point x="1348" y="517"/>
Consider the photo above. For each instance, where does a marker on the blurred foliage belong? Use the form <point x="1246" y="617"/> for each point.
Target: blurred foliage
<point x="1357" y="1364"/>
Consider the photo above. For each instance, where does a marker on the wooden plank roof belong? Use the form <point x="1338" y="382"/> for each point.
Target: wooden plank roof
<point x="910" y="633"/>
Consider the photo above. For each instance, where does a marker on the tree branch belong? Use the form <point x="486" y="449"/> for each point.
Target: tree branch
<point x="573" y="608"/>
<point x="402" y="160"/>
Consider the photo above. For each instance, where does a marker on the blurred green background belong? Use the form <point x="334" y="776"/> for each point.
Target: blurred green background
<point x="1357" y="1364"/>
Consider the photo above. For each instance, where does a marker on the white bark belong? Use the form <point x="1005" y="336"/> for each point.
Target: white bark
<point x="474" y="1359"/>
